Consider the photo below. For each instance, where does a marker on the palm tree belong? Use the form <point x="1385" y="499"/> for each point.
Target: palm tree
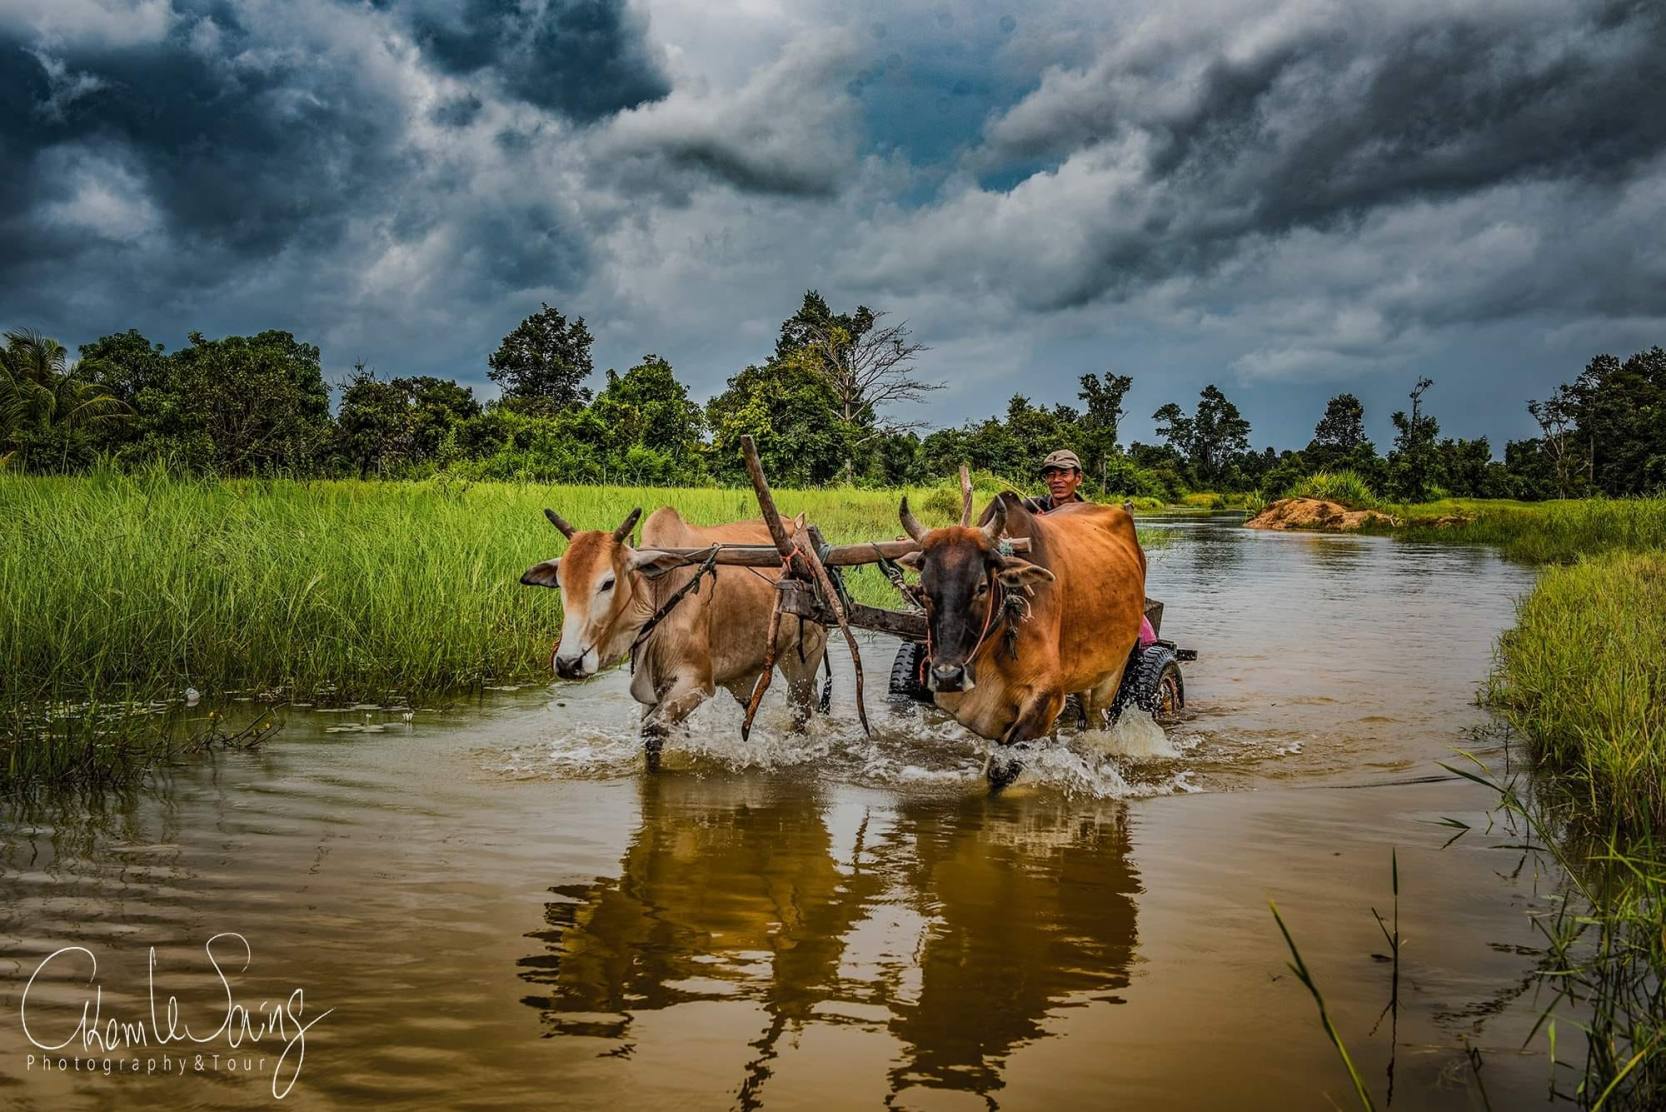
<point x="41" y="401"/>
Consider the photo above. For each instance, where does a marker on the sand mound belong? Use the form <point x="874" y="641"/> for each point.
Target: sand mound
<point x="1311" y="513"/>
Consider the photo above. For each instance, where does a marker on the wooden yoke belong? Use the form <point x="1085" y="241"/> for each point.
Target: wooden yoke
<point x="802" y="562"/>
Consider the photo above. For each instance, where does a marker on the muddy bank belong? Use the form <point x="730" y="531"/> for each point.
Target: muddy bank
<point x="1312" y="513"/>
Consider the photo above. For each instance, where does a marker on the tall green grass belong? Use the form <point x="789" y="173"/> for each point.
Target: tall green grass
<point x="144" y="585"/>
<point x="1583" y="677"/>
<point x="1345" y="487"/>
<point x="1540" y="532"/>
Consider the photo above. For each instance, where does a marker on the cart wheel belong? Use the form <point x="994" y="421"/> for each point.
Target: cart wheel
<point x="1154" y="684"/>
<point x="908" y="673"/>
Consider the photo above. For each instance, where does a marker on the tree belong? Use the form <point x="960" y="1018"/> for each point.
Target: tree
<point x="386" y="427"/>
<point x="1342" y="428"/>
<point x="787" y="409"/>
<point x="237" y="406"/>
<point x="1620" y="413"/>
<point x="651" y="428"/>
<point x="1411" y="462"/>
<point x="1557" y="417"/>
<point x="543" y="362"/>
<point x="868" y="366"/>
<point x="48" y="414"/>
<point x="1210" y="439"/>
<point x="1103" y="417"/>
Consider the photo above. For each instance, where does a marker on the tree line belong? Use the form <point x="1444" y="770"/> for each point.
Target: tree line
<point x="823" y="407"/>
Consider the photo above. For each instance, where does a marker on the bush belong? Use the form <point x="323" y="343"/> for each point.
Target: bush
<point x="1345" y="487"/>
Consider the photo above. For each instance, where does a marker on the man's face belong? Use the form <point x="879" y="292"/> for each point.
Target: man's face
<point x="1062" y="482"/>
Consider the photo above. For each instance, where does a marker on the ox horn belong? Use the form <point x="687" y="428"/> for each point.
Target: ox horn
<point x="624" y="531"/>
<point x="910" y="524"/>
<point x="560" y="523"/>
<point x="997" y="521"/>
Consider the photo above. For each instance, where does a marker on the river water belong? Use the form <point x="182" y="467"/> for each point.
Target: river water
<point x="491" y="905"/>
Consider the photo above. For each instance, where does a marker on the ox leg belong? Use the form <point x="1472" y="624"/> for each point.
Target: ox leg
<point x="1098" y="702"/>
<point x="801" y="674"/>
<point x="678" y="702"/>
<point x="1035" y="717"/>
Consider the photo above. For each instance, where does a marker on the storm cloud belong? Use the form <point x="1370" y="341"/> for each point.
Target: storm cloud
<point x="1264" y="195"/>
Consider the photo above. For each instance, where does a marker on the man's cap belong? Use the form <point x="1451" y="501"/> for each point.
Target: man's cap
<point x="1063" y="458"/>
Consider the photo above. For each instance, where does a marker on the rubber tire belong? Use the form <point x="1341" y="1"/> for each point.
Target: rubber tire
<point x="1154" y="684"/>
<point x="907" y="672"/>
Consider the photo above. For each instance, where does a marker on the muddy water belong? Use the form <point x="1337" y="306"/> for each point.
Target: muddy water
<point x="490" y="906"/>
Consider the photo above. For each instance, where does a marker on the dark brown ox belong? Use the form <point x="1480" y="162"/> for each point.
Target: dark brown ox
<point x="714" y="637"/>
<point x="1004" y="675"/>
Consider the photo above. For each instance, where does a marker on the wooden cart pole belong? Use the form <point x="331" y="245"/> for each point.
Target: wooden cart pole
<point x="802" y="561"/>
<point x="965" y="495"/>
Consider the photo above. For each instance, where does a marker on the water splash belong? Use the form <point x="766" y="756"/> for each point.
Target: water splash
<point x="911" y="747"/>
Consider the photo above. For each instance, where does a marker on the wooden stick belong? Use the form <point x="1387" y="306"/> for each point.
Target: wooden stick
<point x="762" y="683"/>
<point x="965" y="495"/>
<point x="766" y="504"/>
<point x="838" y="555"/>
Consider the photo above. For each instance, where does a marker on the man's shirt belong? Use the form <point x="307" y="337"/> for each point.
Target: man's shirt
<point x="1044" y="504"/>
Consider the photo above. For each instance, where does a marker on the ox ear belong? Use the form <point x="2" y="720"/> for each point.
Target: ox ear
<point x="542" y="575"/>
<point x="911" y="560"/>
<point x="1021" y="573"/>
<point x="654" y="563"/>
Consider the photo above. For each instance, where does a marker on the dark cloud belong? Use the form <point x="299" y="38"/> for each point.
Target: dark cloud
<point x="585" y="59"/>
<point x="1332" y="121"/>
<point x="244" y="158"/>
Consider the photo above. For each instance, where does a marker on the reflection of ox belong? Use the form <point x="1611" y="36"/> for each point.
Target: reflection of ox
<point x="1010" y="637"/>
<point x="713" y="638"/>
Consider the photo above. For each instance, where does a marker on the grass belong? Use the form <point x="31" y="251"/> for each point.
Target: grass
<point x="123" y="590"/>
<point x="1215" y="500"/>
<point x="1345" y="487"/>
<point x="1556" y="532"/>
<point x="1583" y="677"/>
<point x="1604" y="948"/>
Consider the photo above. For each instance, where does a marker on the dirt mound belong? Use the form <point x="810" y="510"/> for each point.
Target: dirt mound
<point x="1311" y="513"/>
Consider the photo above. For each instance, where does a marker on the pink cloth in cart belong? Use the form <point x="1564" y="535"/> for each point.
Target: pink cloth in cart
<point x="1147" y="634"/>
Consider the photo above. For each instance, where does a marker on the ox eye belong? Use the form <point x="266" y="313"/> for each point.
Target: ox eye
<point x="983" y="589"/>
<point x="607" y="585"/>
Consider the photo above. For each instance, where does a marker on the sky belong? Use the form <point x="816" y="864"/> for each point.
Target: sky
<point x="1289" y="200"/>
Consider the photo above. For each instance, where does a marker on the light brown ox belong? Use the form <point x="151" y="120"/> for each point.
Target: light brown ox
<point x="1087" y="572"/>
<point x="713" y="638"/>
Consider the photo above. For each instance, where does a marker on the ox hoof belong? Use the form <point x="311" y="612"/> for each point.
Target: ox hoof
<point x="1002" y="770"/>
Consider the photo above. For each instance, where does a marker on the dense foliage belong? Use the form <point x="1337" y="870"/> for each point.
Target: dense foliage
<point x="829" y="404"/>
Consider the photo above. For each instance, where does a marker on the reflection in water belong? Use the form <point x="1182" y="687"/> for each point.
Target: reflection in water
<point x="1030" y="910"/>
<point x="961" y="922"/>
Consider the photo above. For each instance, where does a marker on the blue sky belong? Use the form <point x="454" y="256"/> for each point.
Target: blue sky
<point x="1286" y="199"/>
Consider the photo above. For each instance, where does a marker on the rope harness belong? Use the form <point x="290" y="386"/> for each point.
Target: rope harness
<point x="1012" y="605"/>
<point x="692" y="586"/>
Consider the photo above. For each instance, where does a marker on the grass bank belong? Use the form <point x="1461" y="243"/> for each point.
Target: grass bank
<point x="125" y="590"/>
<point x="1557" y="532"/>
<point x="1583" y="677"/>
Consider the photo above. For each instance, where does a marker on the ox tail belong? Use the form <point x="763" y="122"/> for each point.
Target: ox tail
<point x="827" y="684"/>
